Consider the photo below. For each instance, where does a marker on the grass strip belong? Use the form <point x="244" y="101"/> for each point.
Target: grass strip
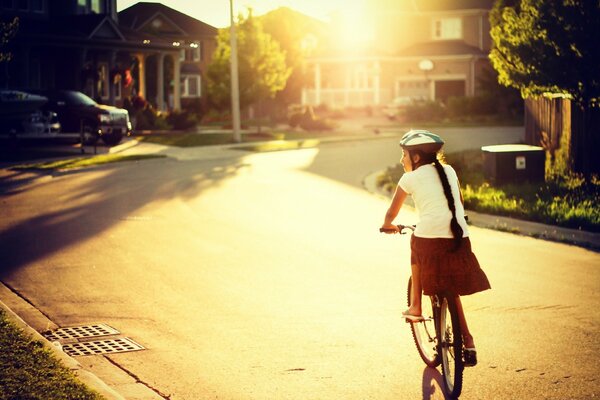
<point x="278" y="145"/>
<point x="81" y="162"/>
<point x="567" y="201"/>
<point x="30" y="371"/>
<point x="211" y="139"/>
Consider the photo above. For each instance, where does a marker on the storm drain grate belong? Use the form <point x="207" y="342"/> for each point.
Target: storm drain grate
<point x="79" y="332"/>
<point x="119" y="345"/>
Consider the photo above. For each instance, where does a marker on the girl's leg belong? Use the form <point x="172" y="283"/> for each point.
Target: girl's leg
<point x="466" y="334"/>
<point x="415" y="295"/>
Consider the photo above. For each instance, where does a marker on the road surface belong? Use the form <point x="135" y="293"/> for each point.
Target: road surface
<point x="263" y="276"/>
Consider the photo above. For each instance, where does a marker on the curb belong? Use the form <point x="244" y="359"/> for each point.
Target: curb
<point x="86" y="377"/>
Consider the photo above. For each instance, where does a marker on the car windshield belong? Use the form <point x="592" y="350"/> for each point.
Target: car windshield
<point x="79" y="99"/>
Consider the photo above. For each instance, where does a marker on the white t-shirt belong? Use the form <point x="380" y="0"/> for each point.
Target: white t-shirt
<point x="425" y="187"/>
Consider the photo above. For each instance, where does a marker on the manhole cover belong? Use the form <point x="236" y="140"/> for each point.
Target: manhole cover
<point x="79" y="332"/>
<point x="119" y="345"/>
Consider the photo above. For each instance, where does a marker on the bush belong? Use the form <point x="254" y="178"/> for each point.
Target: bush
<point x="295" y="119"/>
<point x="464" y="107"/>
<point x="308" y="121"/>
<point x="563" y="200"/>
<point x="317" y="124"/>
<point x="429" y="111"/>
<point x="182" y="120"/>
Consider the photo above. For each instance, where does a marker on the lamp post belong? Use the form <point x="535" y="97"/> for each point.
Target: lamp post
<point x="426" y="65"/>
<point x="235" y="89"/>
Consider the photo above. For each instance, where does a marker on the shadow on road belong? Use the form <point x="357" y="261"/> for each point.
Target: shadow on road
<point x="433" y="386"/>
<point x="66" y="208"/>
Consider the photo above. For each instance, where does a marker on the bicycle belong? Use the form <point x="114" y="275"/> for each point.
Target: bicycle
<point x="437" y="334"/>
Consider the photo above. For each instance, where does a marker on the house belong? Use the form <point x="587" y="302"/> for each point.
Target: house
<point x="87" y="45"/>
<point x="422" y="49"/>
<point x="195" y="40"/>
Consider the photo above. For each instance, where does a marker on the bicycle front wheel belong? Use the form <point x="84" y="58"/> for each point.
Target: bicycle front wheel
<point x="423" y="332"/>
<point x="451" y="347"/>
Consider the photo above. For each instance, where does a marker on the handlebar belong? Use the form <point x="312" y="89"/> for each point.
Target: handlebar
<point x="400" y="227"/>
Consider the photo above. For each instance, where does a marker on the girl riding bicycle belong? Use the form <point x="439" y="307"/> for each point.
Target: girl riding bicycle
<point x="441" y="256"/>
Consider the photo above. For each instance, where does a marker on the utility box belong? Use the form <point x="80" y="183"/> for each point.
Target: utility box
<point x="513" y="163"/>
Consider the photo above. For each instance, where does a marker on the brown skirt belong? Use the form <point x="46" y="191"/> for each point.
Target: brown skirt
<point x="444" y="270"/>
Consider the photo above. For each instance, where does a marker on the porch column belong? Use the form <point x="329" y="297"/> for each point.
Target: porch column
<point x="141" y="57"/>
<point x="376" y="83"/>
<point x="177" y="83"/>
<point x="348" y="86"/>
<point x="317" y="84"/>
<point x="160" y="82"/>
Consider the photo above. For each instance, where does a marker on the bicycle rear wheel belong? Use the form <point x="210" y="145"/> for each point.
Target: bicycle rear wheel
<point x="423" y="332"/>
<point x="451" y="347"/>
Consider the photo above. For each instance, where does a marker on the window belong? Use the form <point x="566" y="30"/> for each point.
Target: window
<point x="190" y="86"/>
<point x="447" y="28"/>
<point x="81" y="6"/>
<point x="196" y="53"/>
<point x="96" y="7"/>
<point x="23" y="5"/>
<point x="182" y="55"/>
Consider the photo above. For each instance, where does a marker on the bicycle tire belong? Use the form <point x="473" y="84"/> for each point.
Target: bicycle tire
<point x="450" y="346"/>
<point x="424" y="332"/>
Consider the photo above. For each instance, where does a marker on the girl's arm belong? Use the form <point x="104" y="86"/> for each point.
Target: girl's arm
<point x="394" y="209"/>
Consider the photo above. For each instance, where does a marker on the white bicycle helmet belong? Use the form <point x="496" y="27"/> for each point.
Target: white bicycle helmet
<point x="422" y="140"/>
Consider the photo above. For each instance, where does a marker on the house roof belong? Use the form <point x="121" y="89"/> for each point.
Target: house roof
<point x="451" y="5"/>
<point x="418" y="6"/>
<point x="136" y="16"/>
<point x="440" y="48"/>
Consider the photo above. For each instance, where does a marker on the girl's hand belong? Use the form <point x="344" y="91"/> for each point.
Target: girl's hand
<point x="390" y="229"/>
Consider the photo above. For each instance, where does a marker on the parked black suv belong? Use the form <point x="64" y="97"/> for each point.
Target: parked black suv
<point x="77" y="113"/>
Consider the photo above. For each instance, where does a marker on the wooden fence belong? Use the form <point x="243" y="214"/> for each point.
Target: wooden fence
<point x="556" y="122"/>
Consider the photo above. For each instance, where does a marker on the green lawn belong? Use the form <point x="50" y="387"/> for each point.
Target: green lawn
<point x="30" y="371"/>
<point x="570" y="202"/>
<point x="209" y="139"/>
<point x="80" y="162"/>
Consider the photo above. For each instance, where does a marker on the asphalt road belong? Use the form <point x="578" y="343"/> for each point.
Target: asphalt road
<point x="263" y="276"/>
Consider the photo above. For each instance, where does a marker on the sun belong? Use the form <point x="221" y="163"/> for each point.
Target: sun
<point x="353" y="27"/>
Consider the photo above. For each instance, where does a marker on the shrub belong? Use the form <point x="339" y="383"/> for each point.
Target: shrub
<point x="317" y="124"/>
<point x="427" y="111"/>
<point x="308" y="121"/>
<point x="182" y="120"/>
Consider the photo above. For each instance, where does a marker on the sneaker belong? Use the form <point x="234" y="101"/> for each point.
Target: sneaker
<point x="470" y="357"/>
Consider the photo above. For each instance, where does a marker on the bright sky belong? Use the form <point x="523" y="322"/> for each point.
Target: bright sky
<point x="216" y="12"/>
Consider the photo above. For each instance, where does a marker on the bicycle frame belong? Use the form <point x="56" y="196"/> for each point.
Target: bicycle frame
<point x="445" y="345"/>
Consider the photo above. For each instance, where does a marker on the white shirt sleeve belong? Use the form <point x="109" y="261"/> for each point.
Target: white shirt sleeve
<point x="406" y="182"/>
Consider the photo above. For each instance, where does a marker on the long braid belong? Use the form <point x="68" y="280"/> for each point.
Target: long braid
<point x="456" y="229"/>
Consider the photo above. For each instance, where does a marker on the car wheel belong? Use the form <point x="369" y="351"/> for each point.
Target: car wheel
<point x="112" y="139"/>
<point x="89" y="136"/>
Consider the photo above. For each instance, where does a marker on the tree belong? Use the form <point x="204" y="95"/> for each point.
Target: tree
<point x="300" y="36"/>
<point x="7" y="31"/>
<point x="548" y="46"/>
<point x="261" y="65"/>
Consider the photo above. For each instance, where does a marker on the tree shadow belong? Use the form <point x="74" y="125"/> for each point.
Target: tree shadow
<point x="71" y="207"/>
